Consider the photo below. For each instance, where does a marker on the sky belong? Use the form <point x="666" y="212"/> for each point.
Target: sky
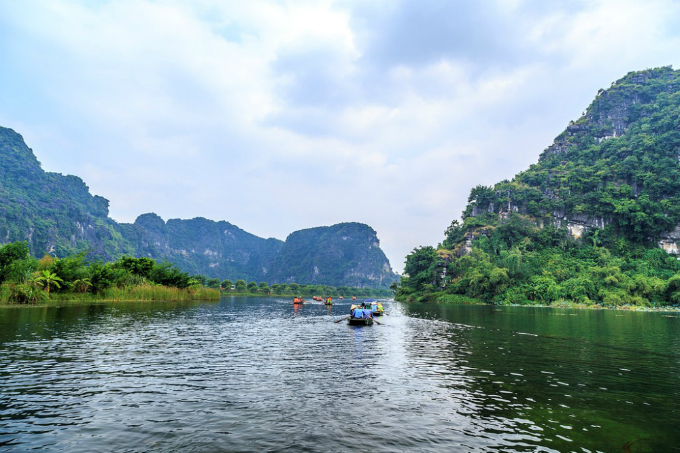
<point x="282" y="115"/>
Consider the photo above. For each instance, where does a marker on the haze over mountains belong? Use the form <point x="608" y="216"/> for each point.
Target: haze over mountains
<point x="56" y="214"/>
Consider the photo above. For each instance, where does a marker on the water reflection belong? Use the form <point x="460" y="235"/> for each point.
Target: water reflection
<point x="264" y="374"/>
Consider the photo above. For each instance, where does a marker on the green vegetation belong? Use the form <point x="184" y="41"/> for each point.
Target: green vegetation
<point x="294" y="289"/>
<point x="342" y="254"/>
<point x="581" y="226"/>
<point x="56" y="214"/>
<point x="25" y="280"/>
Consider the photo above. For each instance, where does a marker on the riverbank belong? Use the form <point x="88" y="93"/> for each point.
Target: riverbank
<point x="140" y="293"/>
<point x="458" y="299"/>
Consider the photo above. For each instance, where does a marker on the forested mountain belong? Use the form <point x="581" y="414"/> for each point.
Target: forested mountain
<point x="347" y="252"/>
<point x="596" y="219"/>
<point x="56" y="214"/>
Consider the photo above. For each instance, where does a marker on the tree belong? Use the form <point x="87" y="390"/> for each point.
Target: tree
<point x="421" y="267"/>
<point x="240" y="286"/>
<point x="49" y="278"/>
<point x="137" y="266"/>
<point x="213" y="283"/>
<point x="227" y="284"/>
<point x="264" y="287"/>
<point x="81" y="285"/>
<point x="252" y="287"/>
<point x="11" y="254"/>
<point x="453" y="234"/>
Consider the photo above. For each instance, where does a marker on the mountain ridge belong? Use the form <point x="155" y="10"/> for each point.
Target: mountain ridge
<point x="56" y="214"/>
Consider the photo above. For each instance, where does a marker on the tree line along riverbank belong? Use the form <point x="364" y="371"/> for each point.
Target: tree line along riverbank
<point x="27" y="280"/>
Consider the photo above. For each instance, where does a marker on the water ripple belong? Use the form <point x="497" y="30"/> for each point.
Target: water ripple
<point x="258" y="375"/>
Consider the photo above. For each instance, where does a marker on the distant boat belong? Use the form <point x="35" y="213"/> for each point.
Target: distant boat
<point x="375" y="306"/>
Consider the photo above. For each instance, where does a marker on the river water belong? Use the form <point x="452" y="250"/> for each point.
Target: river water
<point x="260" y="375"/>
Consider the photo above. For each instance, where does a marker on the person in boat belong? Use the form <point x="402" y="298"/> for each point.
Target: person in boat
<point x="329" y="300"/>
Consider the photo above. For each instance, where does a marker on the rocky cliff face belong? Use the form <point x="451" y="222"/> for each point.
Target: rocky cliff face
<point x="56" y="214"/>
<point x="203" y="246"/>
<point x="52" y="212"/>
<point x="615" y="169"/>
<point x="346" y="252"/>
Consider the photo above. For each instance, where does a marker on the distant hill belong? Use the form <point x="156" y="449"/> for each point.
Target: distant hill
<point x="56" y="214"/>
<point x="596" y="219"/>
<point x="347" y="252"/>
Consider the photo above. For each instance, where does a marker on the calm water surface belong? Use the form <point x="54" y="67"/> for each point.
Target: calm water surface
<point x="258" y="375"/>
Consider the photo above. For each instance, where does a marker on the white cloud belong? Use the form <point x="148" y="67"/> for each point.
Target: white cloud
<point x="282" y="115"/>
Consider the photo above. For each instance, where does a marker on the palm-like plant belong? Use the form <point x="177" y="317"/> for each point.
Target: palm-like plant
<point x="49" y="278"/>
<point x="82" y="284"/>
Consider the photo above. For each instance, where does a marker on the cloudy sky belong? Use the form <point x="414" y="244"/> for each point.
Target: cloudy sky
<point x="283" y="115"/>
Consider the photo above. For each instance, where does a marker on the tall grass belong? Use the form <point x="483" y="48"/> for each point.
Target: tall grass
<point x="136" y="293"/>
<point x="154" y="292"/>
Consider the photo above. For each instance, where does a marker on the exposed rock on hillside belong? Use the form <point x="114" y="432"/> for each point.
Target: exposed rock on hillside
<point x="56" y="214"/>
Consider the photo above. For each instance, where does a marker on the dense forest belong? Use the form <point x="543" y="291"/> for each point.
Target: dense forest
<point x="595" y="221"/>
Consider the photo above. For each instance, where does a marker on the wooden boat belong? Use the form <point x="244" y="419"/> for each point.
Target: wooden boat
<point x="360" y="317"/>
<point x="360" y="321"/>
<point x="374" y="306"/>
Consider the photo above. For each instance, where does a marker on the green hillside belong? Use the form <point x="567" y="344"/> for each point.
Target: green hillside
<point x="595" y="220"/>
<point x="346" y="252"/>
<point x="56" y="215"/>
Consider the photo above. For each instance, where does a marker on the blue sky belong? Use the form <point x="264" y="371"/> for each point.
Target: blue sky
<point x="283" y="115"/>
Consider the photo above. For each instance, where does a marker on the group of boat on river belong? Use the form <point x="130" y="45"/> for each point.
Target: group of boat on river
<point x="362" y="314"/>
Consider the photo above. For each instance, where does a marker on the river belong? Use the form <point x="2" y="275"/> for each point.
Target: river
<point x="257" y="374"/>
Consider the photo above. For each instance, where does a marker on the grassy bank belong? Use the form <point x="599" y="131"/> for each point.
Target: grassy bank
<point x="138" y="293"/>
<point x="438" y="297"/>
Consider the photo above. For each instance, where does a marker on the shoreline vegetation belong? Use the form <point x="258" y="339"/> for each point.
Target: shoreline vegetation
<point x="241" y="288"/>
<point x="25" y="280"/>
<point x="458" y="299"/>
<point x="594" y="222"/>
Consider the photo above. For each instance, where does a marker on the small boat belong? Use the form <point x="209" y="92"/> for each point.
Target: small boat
<point x="374" y="306"/>
<point x="360" y="316"/>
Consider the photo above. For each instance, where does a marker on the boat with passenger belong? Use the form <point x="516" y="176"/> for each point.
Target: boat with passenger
<point x="359" y="316"/>
<point x="375" y="306"/>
